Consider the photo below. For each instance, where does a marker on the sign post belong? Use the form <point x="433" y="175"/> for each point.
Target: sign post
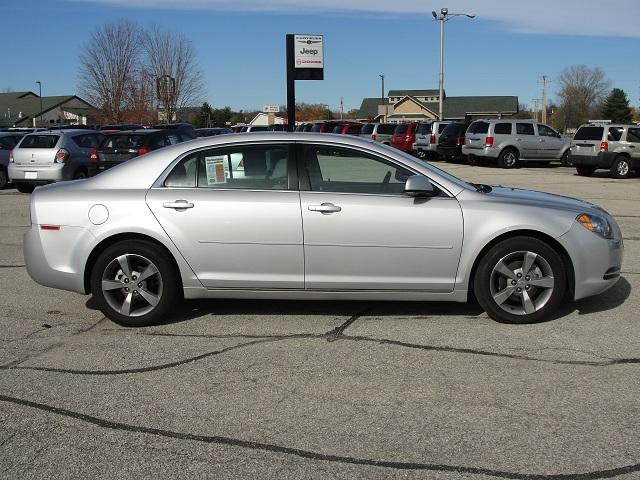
<point x="305" y="61"/>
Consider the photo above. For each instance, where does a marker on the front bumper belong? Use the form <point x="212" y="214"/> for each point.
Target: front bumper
<point x="596" y="261"/>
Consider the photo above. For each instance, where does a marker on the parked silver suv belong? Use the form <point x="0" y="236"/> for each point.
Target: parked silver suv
<point x="513" y="141"/>
<point x="380" y="132"/>
<point x="53" y="156"/>
<point x="615" y="147"/>
<point x="427" y="136"/>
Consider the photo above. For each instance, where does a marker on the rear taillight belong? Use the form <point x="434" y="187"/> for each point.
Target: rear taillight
<point x="432" y="139"/>
<point x="373" y="136"/>
<point x="93" y="156"/>
<point x="11" y="160"/>
<point x="459" y="140"/>
<point x="604" y="146"/>
<point x="488" y="141"/>
<point x="143" y="150"/>
<point x="61" y="155"/>
<point x="50" y="227"/>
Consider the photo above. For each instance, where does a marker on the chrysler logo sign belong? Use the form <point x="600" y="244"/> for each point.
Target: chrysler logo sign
<point x="308" y="51"/>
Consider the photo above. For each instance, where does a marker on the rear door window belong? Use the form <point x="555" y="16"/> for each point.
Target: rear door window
<point x="502" y="128"/>
<point x="123" y="142"/>
<point x="589" y="133"/>
<point x="39" y="141"/>
<point x="615" y="134"/>
<point x="525" y="129"/>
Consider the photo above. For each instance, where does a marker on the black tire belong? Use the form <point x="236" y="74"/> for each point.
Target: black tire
<point x="566" y="160"/>
<point x="585" y="170"/>
<point x="421" y="154"/>
<point x="4" y="178"/>
<point x="621" y="167"/>
<point x="472" y="160"/>
<point x="491" y="286"/>
<point x="509" y="158"/>
<point x="80" y="174"/>
<point x="164" y="286"/>
<point x="25" y="187"/>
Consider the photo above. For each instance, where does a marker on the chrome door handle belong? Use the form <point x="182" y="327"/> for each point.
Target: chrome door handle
<point x="178" y="204"/>
<point x="325" y="208"/>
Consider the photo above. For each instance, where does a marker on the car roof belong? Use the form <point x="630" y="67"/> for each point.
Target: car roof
<point x="140" y="131"/>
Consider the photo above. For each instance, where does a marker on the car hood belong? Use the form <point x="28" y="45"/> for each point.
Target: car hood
<point x="533" y="198"/>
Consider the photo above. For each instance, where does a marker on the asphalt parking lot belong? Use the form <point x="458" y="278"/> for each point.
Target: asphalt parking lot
<point x="276" y="389"/>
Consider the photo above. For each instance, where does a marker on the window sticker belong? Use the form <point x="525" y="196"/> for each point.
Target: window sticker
<point x="217" y="169"/>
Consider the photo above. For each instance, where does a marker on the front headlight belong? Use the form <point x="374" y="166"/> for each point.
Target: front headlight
<point x="596" y="224"/>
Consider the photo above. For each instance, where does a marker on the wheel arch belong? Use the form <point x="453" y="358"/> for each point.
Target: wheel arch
<point x="509" y="147"/>
<point x="552" y="242"/>
<point x="112" y="240"/>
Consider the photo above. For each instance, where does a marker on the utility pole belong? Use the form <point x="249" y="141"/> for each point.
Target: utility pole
<point x="545" y="81"/>
<point x="382" y="97"/>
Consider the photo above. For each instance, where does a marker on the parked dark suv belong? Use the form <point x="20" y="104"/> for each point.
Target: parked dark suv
<point x="451" y="141"/>
<point x="119" y="147"/>
<point x="185" y="128"/>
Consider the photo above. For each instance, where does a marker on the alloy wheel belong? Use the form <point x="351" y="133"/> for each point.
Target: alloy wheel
<point x="522" y="283"/>
<point x="132" y="285"/>
<point x="622" y="168"/>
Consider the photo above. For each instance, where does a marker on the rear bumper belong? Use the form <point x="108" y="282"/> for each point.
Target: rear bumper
<point x="601" y="160"/>
<point x="43" y="174"/>
<point x="454" y="151"/>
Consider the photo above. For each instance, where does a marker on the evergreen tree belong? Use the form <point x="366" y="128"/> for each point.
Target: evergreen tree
<point x="205" y="116"/>
<point x="616" y="107"/>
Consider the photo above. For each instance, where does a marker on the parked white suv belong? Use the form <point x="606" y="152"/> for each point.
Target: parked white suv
<point x="427" y="136"/>
<point x="513" y="141"/>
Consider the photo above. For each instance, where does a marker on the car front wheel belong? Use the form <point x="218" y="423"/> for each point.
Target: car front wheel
<point x="135" y="284"/>
<point x="520" y="280"/>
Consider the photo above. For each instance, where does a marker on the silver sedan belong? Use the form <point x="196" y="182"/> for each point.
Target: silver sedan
<point x="303" y="216"/>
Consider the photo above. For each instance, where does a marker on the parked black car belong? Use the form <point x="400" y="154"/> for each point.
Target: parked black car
<point x="451" y="141"/>
<point x="119" y="147"/>
<point x="211" y="132"/>
<point x="183" y="127"/>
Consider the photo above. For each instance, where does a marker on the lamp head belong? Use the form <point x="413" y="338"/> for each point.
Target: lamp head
<point x="471" y="15"/>
<point x="444" y="11"/>
<point x="435" y="15"/>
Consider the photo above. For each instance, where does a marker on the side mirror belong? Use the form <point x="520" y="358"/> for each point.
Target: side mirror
<point x="419" y="186"/>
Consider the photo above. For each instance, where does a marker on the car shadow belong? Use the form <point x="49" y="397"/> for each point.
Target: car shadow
<point x="192" y="309"/>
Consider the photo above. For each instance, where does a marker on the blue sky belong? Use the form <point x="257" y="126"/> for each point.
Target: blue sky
<point x="240" y="45"/>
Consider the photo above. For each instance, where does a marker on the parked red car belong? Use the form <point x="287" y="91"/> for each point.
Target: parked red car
<point x="404" y="136"/>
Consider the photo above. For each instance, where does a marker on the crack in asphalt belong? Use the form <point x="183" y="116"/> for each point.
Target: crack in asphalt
<point x="330" y="336"/>
<point x="12" y="266"/>
<point x="309" y="454"/>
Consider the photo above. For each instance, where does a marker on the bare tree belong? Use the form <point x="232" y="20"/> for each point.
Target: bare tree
<point x="108" y="65"/>
<point x="172" y="55"/>
<point x="582" y="91"/>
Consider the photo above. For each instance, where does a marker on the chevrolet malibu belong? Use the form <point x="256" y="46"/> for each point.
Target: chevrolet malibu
<point x="312" y="217"/>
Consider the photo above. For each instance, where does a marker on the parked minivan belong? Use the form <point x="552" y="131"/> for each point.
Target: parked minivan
<point x="427" y="136"/>
<point x="404" y="136"/>
<point x="512" y="141"/>
<point x="615" y="147"/>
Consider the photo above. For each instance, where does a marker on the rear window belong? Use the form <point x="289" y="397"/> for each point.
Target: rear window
<point x="39" y="141"/>
<point x="502" y="129"/>
<point x="117" y="142"/>
<point x="386" y="128"/>
<point x="367" y="129"/>
<point x="589" y="133"/>
<point x="442" y="126"/>
<point x="401" y="129"/>
<point x="316" y="127"/>
<point x="424" y="128"/>
<point x="452" y="129"/>
<point x="478" y="127"/>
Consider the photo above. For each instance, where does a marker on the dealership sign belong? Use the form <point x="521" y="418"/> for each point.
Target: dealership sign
<point x="308" y="51"/>
<point x="270" y="109"/>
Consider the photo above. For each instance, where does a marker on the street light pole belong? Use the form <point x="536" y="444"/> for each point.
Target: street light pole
<point x="382" y="96"/>
<point x="444" y="16"/>
<point x="40" y="93"/>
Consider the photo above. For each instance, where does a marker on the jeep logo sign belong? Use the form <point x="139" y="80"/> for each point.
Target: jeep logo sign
<point x="308" y="51"/>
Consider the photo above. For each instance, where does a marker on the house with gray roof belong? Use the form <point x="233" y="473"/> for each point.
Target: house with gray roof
<point x="22" y="109"/>
<point x="419" y="105"/>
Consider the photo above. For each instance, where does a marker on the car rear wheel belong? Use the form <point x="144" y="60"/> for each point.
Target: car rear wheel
<point x="421" y="154"/>
<point x="508" y="158"/>
<point x="135" y="284"/>
<point x="585" y="170"/>
<point x="80" y="173"/>
<point x="4" y="179"/>
<point x="25" y="187"/>
<point x="520" y="280"/>
<point x="621" y="167"/>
